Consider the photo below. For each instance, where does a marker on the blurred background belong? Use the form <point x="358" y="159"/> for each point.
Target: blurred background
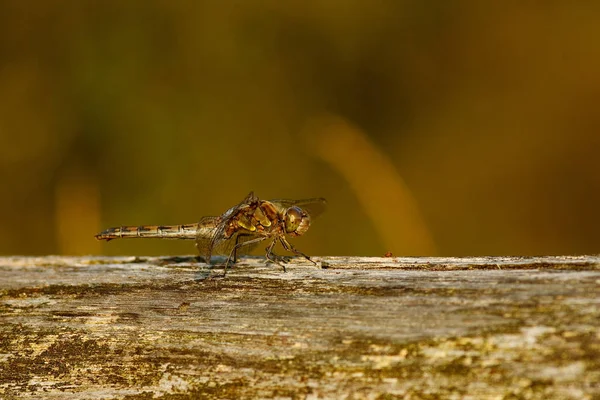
<point x="432" y="127"/>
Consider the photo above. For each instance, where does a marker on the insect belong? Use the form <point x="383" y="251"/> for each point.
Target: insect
<point x="237" y="230"/>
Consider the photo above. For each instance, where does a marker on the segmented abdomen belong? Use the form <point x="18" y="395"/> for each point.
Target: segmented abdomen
<point x="186" y="231"/>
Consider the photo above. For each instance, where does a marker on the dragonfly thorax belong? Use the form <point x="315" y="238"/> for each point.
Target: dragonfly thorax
<point x="296" y="221"/>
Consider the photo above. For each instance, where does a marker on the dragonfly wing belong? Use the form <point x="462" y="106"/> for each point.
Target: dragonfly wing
<point x="314" y="207"/>
<point x="212" y="238"/>
<point x="209" y="228"/>
<point x="224" y="247"/>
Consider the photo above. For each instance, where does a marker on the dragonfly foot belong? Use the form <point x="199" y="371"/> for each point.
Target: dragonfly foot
<point x="282" y="259"/>
<point x="277" y="262"/>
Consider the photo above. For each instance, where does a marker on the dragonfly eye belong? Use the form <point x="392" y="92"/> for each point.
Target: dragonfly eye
<point x="296" y="221"/>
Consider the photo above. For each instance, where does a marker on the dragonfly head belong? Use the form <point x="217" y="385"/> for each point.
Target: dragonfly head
<point x="296" y="221"/>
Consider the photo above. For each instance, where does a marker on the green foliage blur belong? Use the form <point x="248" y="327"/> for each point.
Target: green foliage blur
<point x="160" y="112"/>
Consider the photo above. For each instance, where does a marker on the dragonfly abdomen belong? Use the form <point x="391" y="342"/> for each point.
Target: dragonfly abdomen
<point x="186" y="231"/>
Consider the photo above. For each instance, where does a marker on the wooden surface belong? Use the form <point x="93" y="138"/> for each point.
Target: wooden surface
<point x="372" y="328"/>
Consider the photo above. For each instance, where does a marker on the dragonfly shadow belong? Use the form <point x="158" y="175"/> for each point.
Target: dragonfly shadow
<point x="214" y="270"/>
<point x="204" y="271"/>
<point x="180" y="260"/>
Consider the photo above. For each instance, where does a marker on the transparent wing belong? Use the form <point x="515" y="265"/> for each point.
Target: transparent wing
<point x="314" y="207"/>
<point x="211" y="238"/>
<point x="208" y="231"/>
<point x="224" y="247"/>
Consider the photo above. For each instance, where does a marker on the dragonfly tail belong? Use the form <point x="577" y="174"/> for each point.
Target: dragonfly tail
<point x="186" y="231"/>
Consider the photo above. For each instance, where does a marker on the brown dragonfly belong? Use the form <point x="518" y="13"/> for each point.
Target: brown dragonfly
<point x="238" y="229"/>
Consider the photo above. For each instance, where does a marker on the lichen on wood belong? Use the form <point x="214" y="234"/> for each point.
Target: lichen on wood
<point x="170" y="327"/>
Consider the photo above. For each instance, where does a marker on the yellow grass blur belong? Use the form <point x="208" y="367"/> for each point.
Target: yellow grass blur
<point x="376" y="184"/>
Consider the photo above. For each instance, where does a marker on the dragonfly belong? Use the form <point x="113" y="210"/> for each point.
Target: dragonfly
<point x="239" y="229"/>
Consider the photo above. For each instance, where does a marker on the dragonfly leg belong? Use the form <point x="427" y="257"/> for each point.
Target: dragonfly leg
<point x="272" y="256"/>
<point x="238" y="245"/>
<point x="289" y="247"/>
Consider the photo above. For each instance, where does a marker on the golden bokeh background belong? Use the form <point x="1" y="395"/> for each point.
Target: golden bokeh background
<point x="432" y="127"/>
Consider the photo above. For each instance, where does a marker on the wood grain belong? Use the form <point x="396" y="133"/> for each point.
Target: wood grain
<point x="169" y="327"/>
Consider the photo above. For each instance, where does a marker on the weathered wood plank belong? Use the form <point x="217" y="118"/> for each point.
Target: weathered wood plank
<point x="129" y="327"/>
